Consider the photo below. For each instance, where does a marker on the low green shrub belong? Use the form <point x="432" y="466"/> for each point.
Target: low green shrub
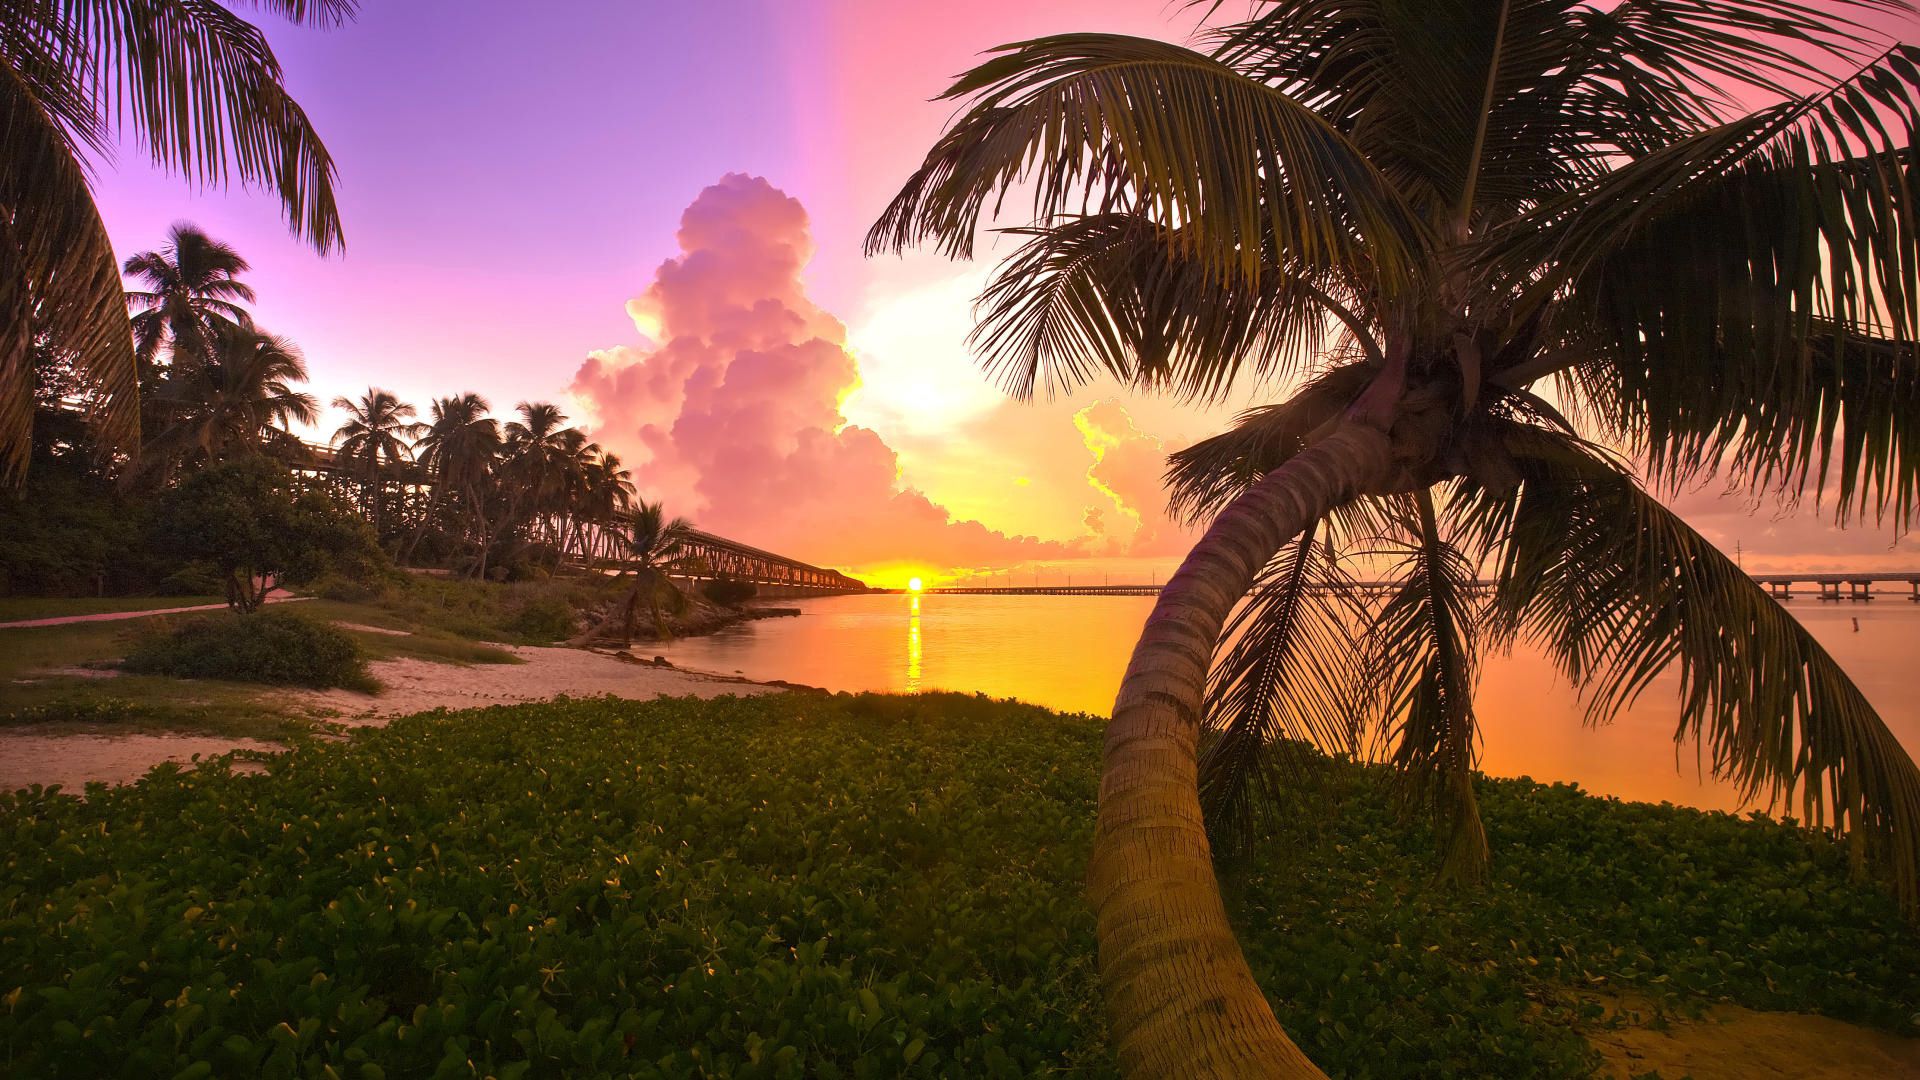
<point x="803" y="885"/>
<point x="194" y="579"/>
<point x="278" y="647"/>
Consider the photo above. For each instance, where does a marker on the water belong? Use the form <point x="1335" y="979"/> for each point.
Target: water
<point x="1068" y="653"/>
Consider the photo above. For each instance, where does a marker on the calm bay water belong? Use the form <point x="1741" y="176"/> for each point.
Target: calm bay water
<point x="1068" y="653"/>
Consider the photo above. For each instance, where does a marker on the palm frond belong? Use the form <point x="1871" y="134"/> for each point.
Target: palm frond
<point x="1118" y="292"/>
<point x="1753" y="292"/>
<point x="1618" y="589"/>
<point x="201" y="89"/>
<point x="1204" y="477"/>
<point x="1290" y="673"/>
<point x="59" y="280"/>
<point x="1426" y="642"/>
<point x="1097" y="122"/>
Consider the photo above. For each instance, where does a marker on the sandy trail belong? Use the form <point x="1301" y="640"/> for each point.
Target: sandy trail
<point x="71" y="759"/>
<point x="419" y="685"/>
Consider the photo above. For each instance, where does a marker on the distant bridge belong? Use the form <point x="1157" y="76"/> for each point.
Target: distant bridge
<point x="730" y="558"/>
<point x="1850" y="586"/>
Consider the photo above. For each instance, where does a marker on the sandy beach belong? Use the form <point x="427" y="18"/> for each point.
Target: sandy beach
<point x="418" y="685"/>
<point x="72" y="759"/>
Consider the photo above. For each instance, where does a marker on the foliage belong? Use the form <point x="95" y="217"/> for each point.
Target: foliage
<point x="730" y="591"/>
<point x="193" y="84"/>
<point x="855" y="886"/>
<point x="520" y="613"/>
<point x="245" y="518"/>
<point x="275" y="647"/>
<point x="71" y="532"/>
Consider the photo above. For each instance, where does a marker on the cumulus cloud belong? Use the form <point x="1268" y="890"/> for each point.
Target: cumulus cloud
<point x="1128" y="466"/>
<point x="732" y="403"/>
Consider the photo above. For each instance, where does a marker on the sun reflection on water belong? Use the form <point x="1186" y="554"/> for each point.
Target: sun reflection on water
<point x="913" y="643"/>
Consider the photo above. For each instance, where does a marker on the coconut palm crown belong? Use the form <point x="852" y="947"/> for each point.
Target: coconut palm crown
<point x="196" y="87"/>
<point x="1522" y="258"/>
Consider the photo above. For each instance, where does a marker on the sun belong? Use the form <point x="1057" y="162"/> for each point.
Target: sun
<point x="914" y="584"/>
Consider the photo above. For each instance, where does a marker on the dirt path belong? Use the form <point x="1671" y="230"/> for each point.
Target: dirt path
<point x="1732" y="1043"/>
<point x="115" y="616"/>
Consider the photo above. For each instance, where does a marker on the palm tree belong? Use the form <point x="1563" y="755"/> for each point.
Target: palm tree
<point x="1443" y="212"/>
<point x="459" y="450"/>
<point x="536" y="451"/>
<point x="653" y="543"/>
<point x="606" y="495"/>
<point x="376" y="436"/>
<point x="193" y="84"/>
<point x="239" y="399"/>
<point x="193" y="292"/>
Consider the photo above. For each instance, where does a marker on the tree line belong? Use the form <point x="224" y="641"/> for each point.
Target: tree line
<point x="461" y="488"/>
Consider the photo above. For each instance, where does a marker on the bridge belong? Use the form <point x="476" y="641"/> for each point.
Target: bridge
<point x="722" y="557"/>
<point x="1849" y="586"/>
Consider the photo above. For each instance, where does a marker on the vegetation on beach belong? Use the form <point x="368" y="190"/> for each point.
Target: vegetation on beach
<point x="853" y="886"/>
<point x="277" y="647"/>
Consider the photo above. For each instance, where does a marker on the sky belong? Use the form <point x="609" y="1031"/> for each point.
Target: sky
<point x="652" y="214"/>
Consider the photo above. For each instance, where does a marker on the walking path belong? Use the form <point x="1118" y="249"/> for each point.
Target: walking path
<point x="112" y="616"/>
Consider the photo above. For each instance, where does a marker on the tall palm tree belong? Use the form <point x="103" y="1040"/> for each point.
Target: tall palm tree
<point x="1441" y="212"/>
<point x="536" y="449"/>
<point x="376" y="435"/>
<point x="193" y="292"/>
<point x="606" y="495"/>
<point x="240" y="398"/>
<point x="459" y="450"/>
<point x="193" y="84"/>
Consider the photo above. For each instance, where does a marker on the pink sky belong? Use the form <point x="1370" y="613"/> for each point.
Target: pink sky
<point x="513" y="186"/>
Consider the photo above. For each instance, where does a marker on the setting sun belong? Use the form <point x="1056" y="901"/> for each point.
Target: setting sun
<point x="914" y="584"/>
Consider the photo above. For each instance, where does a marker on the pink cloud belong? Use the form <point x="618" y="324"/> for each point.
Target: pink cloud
<point x="732" y="404"/>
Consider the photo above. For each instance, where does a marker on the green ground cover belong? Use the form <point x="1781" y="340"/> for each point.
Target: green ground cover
<point x="21" y="608"/>
<point x="839" y="886"/>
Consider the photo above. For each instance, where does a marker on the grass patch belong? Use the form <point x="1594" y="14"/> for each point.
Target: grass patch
<point x="152" y="705"/>
<point x="846" y="886"/>
<point x="515" y="613"/>
<point x="22" y="608"/>
<point x="274" y="647"/>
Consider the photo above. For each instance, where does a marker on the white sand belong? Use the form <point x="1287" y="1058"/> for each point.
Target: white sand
<point x="36" y="756"/>
<point x="418" y="685"/>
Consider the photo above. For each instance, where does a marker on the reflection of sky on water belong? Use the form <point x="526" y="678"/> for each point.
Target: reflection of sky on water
<point x="1069" y="652"/>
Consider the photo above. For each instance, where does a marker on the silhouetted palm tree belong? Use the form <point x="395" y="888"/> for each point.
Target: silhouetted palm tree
<point x="1441" y="207"/>
<point x="239" y="398"/>
<point x="193" y="292"/>
<point x="376" y="435"/>
<point x="195" y="86"/>
<point x="459" y="451"/>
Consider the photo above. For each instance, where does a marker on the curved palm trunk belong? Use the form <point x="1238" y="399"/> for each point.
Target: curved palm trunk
<point x="1180" y="997"/>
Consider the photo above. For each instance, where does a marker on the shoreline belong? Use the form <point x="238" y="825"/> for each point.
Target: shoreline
<point x="75" y="756"/>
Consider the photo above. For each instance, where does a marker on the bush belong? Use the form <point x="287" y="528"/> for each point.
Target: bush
<point x="194" y="579"/>
<point x="277" y="647"/>
<point x="730" y="591"/>
<point x="245" y="518"/>
<point x="836" y="886"/>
